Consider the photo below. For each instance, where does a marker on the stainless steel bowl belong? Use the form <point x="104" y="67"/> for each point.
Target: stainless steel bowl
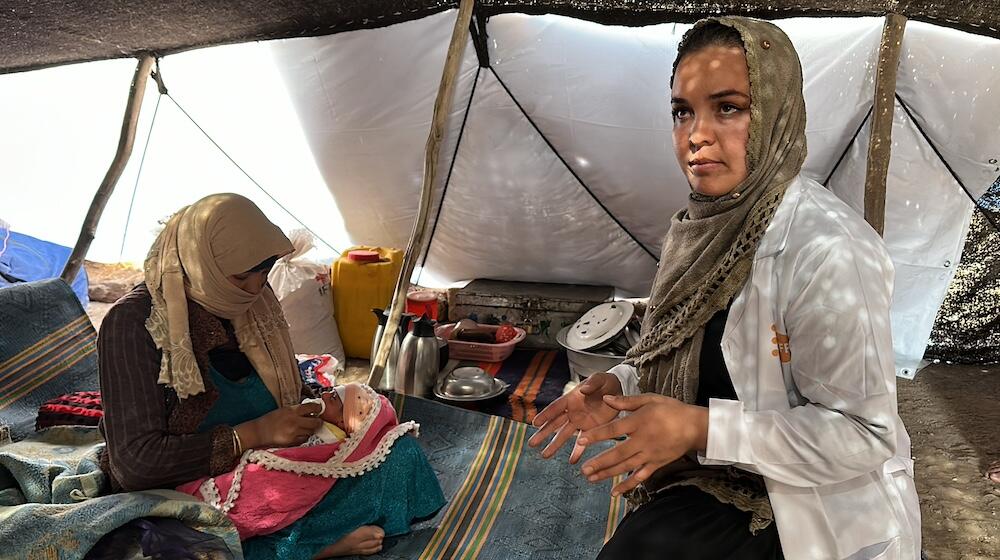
<point x="469" y="383"/>
<point x="476" y="387"/>
<point x="469" y="372"/>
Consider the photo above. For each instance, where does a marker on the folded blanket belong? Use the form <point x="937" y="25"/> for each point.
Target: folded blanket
<point x="48" y="348"/>
<point x="51" y="505"/>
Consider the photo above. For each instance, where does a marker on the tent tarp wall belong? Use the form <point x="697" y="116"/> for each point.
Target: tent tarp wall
<point x="67" y="121"/>
<point x="512" y="209"/>
<point x="365" y="101"/>
<point x="944" y="82"/>
<point x="949" y="82"/>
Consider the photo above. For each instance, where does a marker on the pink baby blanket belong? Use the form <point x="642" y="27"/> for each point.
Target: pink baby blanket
<point x="271" y="489"/>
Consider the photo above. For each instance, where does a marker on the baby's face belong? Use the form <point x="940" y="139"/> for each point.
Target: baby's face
<point x="334" y="412"/>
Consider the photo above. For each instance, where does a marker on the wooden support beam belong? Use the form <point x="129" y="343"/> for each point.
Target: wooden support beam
<point x="432" y="150"/>
<point x="125" y="142"/>
<point x="880" y="144"/>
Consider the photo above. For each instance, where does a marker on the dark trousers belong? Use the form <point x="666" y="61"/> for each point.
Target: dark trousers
<point x="684" y="523"/>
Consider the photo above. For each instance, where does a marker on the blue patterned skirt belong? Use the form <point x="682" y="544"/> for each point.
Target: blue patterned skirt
<point x="401" y="491"/>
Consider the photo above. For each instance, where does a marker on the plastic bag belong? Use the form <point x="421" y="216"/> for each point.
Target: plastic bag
<point x="319" y="370"/>
<point x="303" y="288"/>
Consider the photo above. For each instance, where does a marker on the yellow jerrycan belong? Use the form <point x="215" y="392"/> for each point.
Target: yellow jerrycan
<point x="363" y="278"/>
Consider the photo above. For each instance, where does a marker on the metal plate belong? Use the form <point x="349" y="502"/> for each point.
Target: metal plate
<point x="600" y="325"/>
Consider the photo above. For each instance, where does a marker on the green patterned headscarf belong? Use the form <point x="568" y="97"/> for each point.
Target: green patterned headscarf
<point x="710" y="245"/>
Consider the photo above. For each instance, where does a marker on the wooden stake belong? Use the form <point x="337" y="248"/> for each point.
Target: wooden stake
<point x="442" y="105"/>
<point x="880" y="144"/>
<point x="125" y="142"/>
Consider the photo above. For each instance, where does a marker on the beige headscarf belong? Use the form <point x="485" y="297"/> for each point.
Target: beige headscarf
<point x="202" y="244"/>
<point x="710" y="245"/>
<point x="708" y="252"/>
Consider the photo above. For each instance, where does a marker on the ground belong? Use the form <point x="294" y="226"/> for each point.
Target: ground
<point x="97" y="311"/>
<point x="953" y="414"/>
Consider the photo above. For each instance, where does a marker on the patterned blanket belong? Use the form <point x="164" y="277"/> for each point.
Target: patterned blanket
<point x="504" y="501"/>
<point x="50" y="506"/>
<point x="47" y="348"/>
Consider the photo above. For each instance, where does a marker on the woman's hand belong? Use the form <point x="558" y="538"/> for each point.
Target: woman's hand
<point x="284" y="427"/>
<point x="582" y="408"/>
<point x="659" y="431"/>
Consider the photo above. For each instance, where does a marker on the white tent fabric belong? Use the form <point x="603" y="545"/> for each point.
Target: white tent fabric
<point x="365" y="101"/>
<point x="360" y="98"/>
<point x="948" y="81"/>
<point x="527" y="236"/>
<point x="598" y="97"/>
<point x="512" y="208"/>
<point x="61" y="130"/>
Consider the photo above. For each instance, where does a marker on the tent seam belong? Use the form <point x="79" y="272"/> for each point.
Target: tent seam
<point x="933" y="146"/>
<point x="570" y="169"/>
<point x="847" y="148"/>
<point x="451" y="168"/>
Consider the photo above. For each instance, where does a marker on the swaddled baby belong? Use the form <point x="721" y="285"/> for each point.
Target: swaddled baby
<point x="358" y="431"/>
<point x="343" y="411"/>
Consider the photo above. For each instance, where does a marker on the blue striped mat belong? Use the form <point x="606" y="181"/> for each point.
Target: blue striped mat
<point x="504" y="501"/>
<point x="48" y="348"/>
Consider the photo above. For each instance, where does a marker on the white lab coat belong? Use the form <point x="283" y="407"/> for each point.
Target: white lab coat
<point x="817" y="414"/>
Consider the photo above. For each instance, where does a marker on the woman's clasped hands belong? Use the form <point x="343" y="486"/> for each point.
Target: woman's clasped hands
<point x="658" y="430"/>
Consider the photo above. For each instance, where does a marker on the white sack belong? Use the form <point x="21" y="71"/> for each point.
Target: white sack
<point x="303" y="288"/>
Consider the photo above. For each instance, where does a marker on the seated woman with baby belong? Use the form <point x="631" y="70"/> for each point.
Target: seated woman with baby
<point x="202" y="393"/>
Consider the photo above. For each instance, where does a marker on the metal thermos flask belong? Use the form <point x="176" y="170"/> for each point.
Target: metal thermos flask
<point x="388" y="381"/>
<point x="419" y="354"/>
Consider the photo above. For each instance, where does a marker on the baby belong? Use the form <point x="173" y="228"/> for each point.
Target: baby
<point x="358" y="433"/>
<point x="343" y="412"/>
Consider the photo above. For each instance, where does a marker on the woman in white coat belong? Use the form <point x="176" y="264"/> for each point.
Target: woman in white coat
<point x="758" y="410"/>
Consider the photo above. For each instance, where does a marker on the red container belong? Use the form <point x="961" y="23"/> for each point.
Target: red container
<point x="422" y="303"/>
<point x="479" y="351"/>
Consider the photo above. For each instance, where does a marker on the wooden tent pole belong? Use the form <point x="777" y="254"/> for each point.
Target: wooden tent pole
<point x="125" y="142"/>
<point x="442" y="105"/>
<point x="880" y="144"/>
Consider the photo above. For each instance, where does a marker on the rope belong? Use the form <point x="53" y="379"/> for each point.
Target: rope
<point x="252" y="180"/>
<point x="571" y="170"/>
<point x="6" y="231"/>
<point x="135" y="188"/>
